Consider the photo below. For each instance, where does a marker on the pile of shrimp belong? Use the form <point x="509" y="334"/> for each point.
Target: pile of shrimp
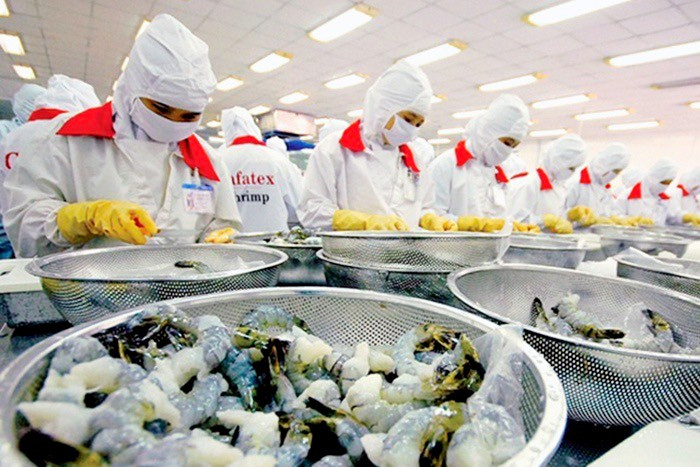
<point x="166" y="389"/>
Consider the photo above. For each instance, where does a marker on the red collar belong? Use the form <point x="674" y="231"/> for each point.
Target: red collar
<point x="352" y="140"/>
<point x="501" y="175"/>
<point x="684" y="190"/>
<point x="545" y="184"/>
<point x="45" y="113"/>
<point x="98" y="123"/>
<point x="247" y="139"/>
<point x="585" y="177"/>
<point x="521" y="174"/>
<point x="462" y="153"/>
<point x="636" y="192"/>
<point x="664" y="196"/>
<point x="607" y="187"/>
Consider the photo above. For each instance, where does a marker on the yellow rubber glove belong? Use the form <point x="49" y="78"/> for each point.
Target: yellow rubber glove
<point x="582" y="214"/>
<point x="345" y="219"/>
<point x="220" y="236"/>
<point x="693" y="219"/>
<point x="382" y="222"/>
<point x="640" y="220"/>
<point x="121" y="220"/>
<point x="526" y="228"/>
<point x="471" y="223"/>
<point x="603" y="221"/>
<point x="557" y="225"/>
<point x="493" y="225"/>
<point x="436" y="223"/>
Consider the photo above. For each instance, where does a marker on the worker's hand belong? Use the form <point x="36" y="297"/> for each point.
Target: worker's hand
<point x="603" y="220"/>
<point x="693" y="219"/>
<point x="382" y="222"/>
<point x="582" y="214"/>
<point x="220" y="236"/>
<point x="557" y="225"/>
<point x="471" y="224"/>
<point x="640" y="220"/>
<point x="493" y="225"/>
<point x="121" y="220"/>
<point x="526" y="228"/>
<point x="436" y="223"/>
<point x="345" y="219"/>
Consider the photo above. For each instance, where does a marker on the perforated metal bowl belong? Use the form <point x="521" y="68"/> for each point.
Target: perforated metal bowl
<point x="545" y="250"/>
<point x="412" y="251"/>
<point x="603" y="384"/>
<point x="686" y="280"/>
<point x="685" y="231"/>
<point x="89" y="284"/>
<point x="303" y="266"/>
<point x="652" y="243"/>
<point x="339" y="316"/>
<point x="402" y="280"/>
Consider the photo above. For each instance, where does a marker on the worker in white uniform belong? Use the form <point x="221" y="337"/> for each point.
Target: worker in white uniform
<point x="275" y="143"/>
<point x="367" y="177"/>
<point x="684" y="206"/>
<point x="23" y="104"/>
<point x="468" y="179"/>
<point x="333" y="125"/>
<point x="515" y="168"/>
<point x="629" y="178"/>
<point x="648" y="198"/>
<point x="423" y="151"/>
<point x="133" y="166"/>
<point x="541" y="197"/>
<point x="267" y="186"/>
<point x="590" y="195"/>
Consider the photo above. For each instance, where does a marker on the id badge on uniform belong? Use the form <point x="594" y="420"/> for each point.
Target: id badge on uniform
<point x="198" y="198"/>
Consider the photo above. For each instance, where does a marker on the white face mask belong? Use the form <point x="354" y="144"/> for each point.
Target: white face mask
<point x="496" y="152"/>
<point x="657" y="188"/>
<point x="159" y="128"/>
<point x="608" y="177"/>
<point x="563" y="174"/>
<point x="401" y="132"/>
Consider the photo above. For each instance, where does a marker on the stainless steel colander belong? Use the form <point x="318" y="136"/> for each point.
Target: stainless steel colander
<point x="545" y="250"/>
<point x="412" y="281"/>
<point x="603" y="384"/>
<point x="339" y="316"/>
<point x="686" y="280"/>
<point x="411" y="251"/>
<point x="303" y="266"/>
<point x="685" y="231"/>
<point x="89" y="284"/>
<point x="652" y="243"/>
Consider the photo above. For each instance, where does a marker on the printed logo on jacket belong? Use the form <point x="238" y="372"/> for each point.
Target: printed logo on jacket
<point x="251" y="187"/>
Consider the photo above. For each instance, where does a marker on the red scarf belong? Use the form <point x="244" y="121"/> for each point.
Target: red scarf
<point x="545" y="184"/>
<point x="247" y="139"/>
<point x="352" y="140"/>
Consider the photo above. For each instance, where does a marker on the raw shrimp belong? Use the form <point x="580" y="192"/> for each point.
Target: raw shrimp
<point x="323" y="390"/>
<point x="422" y="436"/>
<point x="424" y="338"/>
<point x="365" y="403"/>
<point x="238" y="370"/>
<point x="201" y="402"/>
<point x="215" y="342"/>
<point x="75" y="351"/>
<point x="65" y="422"/>
<point x="296" y="446"/>
<point x="259" y="431"/>
<point x="548" y="320"/>
<point x="582" y="322"/>
<point x="266" y="317"/>
<point x="356" y="367"/>
<point x="202" y="449"/>
<point x="333" y="461"/>
<point x="112" y="441"/>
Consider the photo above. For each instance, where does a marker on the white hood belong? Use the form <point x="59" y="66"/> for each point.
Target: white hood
<point x="236" y="122"/>
<point x="631" y="176"/>
<point x="277" y="144"/>
<point x="24" y="101"/>
<point x="614" y="157"/>
<point x="514" y="165"/>
<point x="691" y="180"/>
<point x="333" y="125"/>
<point x="562" y="154"/>
<point x="663" y="169"/>
<point x="69" y="94"/>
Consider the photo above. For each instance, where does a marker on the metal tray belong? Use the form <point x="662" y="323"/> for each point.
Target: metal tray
<point x="683" y="280"/>
<point x="652" y="243"/>
<point x="545" y="250"/>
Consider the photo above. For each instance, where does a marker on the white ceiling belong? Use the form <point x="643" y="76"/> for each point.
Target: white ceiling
<point x="88" y="39"/>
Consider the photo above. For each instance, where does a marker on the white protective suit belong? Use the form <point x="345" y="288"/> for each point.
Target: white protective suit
<point x="514" y="167"/>
<point x="275" y="143"/>
<point x="355" y="170"/>
<point x="468" y="178"/>
<point x="687" y="191"/>
<point x="423" y="151"/>
<point x="629" y="178"/>
<point x="592" y="188"/>
<point x="102" y="153"/>
<point x="267" y="186"/>
<point x="333" y="125"/>
<point x="23" y="104"/>
<point x="648" y="198"/>
<point x="544" y="191"/>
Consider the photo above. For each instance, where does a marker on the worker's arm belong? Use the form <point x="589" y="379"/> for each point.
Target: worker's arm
<point x="226" y="215"/>
<point x="319" y="198"/>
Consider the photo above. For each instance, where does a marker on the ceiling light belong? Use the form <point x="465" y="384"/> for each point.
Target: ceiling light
<point x="11" y="44"/>
<point x="143" y="27"/>
<point x="229" y="83"/>
<point x="125" y="63"/>
<point x="214" y="123"/>
<point x="343" y="23"/>
<point x="568" y="10"/>
<point x="258" y="110"/>
<point x="548" y="133"/>
<point x="601" y="114"/>
<point x="436" y="53"/>
<point x="321" y="121"/>
<point x="467" y="114"/>
<point x="215" y="140"/>
<point x="346" y="81"/>
<point x="562" y="101"/>
<point x="439" y="140"/>
<point x="24" y="71"/>
<point x="634" y="125"/>
<point x="511" y="82"/>
<point x="679" y="83"/>
<point x="451" y="131"/>
<point x="355" y="113"/>
<point x="437" y="98"/>
<point x="306" y="138"/>
<point x="655" y="55"/>
<point x="220" y="133"/>
<point x="271" y="62"/>
<point x="694" y="105"/>
<point x="294" y="97"/>
<point x="4" y="11"/>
